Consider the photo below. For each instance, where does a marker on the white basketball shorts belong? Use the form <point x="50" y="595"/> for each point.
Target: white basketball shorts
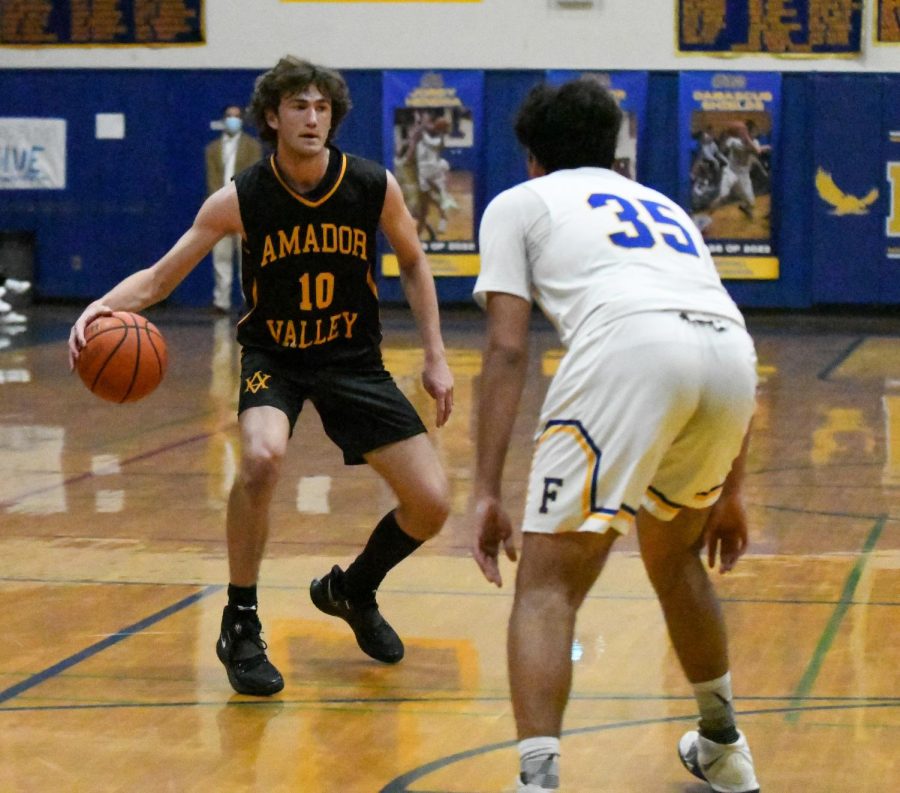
<point x="649" y="410"/>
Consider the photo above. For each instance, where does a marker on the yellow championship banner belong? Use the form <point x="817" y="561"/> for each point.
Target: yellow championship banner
<point x="747" y="268"/>
<point x="441" y="266"/>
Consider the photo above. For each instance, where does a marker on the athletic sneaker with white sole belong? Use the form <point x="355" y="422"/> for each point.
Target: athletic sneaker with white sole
<point x="16" y="286"/>
<point x="542" y="778"/>
<point x="727" y="767"/>
<point x="531" y="787"/>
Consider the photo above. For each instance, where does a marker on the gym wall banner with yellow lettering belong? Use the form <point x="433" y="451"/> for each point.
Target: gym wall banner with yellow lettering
<point x="801" y="28"/>
<point x="887" y="22"/>
<point x="729" y="125"/>
<point x="432" y="128"/>
<point x="83" y="23"/>
<point x="630" y="91"/>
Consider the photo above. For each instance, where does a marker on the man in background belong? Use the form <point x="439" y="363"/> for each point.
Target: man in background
<point x="226" y="156"/>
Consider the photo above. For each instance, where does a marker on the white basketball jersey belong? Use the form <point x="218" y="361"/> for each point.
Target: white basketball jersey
<point x="588" y="242"/>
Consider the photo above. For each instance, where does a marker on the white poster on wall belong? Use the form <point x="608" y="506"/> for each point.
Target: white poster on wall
<point x="32" y="154"/>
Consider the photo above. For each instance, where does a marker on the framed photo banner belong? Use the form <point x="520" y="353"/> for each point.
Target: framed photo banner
<point x="432" y="130"/>
<point x="729" y="126"/>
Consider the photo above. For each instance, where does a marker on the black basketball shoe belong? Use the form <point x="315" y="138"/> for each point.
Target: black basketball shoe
<point x="243" y="652"/>
<point x="374" y="636"/>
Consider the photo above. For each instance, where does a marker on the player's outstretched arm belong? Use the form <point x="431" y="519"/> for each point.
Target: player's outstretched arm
<point x="219" y="216"/>
<point x="418" y="286"/>
<point x="503" y="370"/>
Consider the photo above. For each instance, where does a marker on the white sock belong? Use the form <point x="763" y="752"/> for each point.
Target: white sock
<point x="539" y="761"/>
<point x="716" y="704"/>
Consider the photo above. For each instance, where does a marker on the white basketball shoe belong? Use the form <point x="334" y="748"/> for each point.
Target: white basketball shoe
<point x="727" y="767"/>
<point x="16" y="286"/>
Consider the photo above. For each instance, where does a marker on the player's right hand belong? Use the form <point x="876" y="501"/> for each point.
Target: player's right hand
<point x="76" y="335"/>
<point x="726" y="532"/>
<point x="492" y="528"/>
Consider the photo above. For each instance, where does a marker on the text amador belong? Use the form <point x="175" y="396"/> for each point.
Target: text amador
<point x="314" y="238"/>
<point x="309" y="333"/>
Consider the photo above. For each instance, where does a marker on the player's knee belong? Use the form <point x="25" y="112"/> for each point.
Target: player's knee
<point x="431" y="509"/>
<point x="261" y="465"/>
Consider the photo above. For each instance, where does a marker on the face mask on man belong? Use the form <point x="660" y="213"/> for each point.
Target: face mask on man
<point x="233" y="125"/>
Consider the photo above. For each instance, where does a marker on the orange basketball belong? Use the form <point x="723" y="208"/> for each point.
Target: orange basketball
<point x="124" y="357"/>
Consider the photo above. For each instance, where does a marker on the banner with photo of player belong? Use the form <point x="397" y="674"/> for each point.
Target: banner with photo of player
<point x="729" y="124"/>
<point x="432" y="123"/>
<point x="630" y="91"/>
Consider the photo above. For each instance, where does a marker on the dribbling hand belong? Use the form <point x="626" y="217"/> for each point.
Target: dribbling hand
<point x="76" y="335"/>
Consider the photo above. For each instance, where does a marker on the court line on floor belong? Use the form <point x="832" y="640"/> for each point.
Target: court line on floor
<point x="841" y="358"/>
<point x="836" y="702"/>
<point x="488" y="593"/>
<point x="401" y="783"/>
<point x="837" y="616"/>
<point x="491" y="593"/>
<point x="109" y="641"/>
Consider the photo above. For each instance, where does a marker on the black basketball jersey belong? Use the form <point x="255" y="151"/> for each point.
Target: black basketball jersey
<point x="308" y="269"/>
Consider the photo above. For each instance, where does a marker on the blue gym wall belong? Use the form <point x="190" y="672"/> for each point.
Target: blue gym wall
<point x="128" y="200"/>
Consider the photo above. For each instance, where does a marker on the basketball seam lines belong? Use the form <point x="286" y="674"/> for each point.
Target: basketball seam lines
<point x="112" y="353"/>
<point x="137" y="356"/>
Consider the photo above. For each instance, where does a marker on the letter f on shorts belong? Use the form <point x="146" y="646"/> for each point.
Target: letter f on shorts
<point x="549" y="495"/>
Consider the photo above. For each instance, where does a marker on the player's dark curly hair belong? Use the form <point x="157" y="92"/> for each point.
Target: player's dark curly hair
<point x="290" y="76"/>
<point x="570" y="126"/>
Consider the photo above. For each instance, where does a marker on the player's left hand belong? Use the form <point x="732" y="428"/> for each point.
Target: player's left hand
<point x="492" y="527"/>
<point x="438" y="382"/>
<point x="76" y="334"/>
<point x="726" y="532"/>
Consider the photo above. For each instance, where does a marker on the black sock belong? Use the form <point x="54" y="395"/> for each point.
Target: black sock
<point x="387" y="547"/>
<point x="243" y="597"/>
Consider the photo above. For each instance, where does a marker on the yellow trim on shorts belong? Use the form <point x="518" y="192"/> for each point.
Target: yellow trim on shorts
<point x="586" y="511"/>
<point x="659" y="508"/>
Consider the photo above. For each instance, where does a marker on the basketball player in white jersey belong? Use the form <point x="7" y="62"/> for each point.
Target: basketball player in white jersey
<point x="644" y="425"/>
<point x="742" y="152"/>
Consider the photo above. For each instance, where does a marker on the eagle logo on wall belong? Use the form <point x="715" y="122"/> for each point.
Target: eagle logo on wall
<point x="843" y="203"/>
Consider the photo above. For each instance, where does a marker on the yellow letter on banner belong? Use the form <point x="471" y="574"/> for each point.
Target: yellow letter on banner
<point x="893" y="219"/>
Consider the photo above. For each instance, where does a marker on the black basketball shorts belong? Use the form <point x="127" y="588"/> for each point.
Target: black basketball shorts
<point x="362" y="409"/>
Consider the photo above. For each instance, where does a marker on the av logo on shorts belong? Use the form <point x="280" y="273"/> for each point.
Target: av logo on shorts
<point x="258" y="382"/>
<point x="843" y="203"/>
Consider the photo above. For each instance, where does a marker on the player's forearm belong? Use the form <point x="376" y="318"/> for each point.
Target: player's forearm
<point x="502" y="380"/>
<point x="418" y="286"/>
<point x="135" y="293"/>
<point x="735" y="478"/>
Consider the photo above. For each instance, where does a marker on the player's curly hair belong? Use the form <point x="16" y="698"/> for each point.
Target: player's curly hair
<point x="290" y="76"/>
<point x="570" y="126"/>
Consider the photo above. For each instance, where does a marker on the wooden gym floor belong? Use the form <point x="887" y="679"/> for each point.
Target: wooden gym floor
<point x="112" y="566"/>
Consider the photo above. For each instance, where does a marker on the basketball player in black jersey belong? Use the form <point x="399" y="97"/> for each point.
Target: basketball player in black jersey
<point x="308" y="216"/>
